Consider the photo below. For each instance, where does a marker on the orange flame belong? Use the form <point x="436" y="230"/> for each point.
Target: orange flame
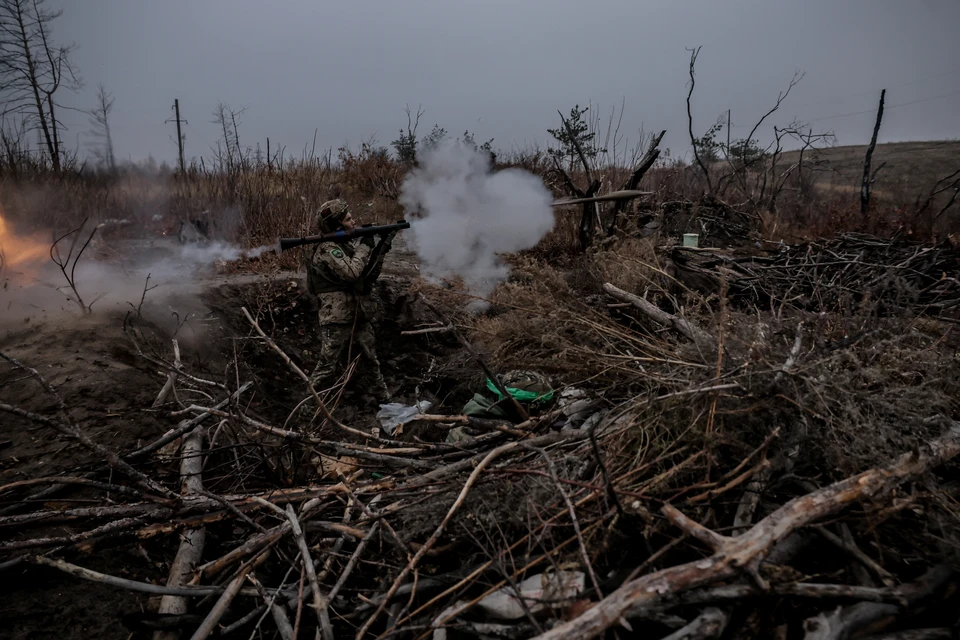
<point x="20" y="251"/>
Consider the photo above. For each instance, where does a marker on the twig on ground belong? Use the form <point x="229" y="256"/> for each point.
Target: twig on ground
<point x="512" y="402"/>
<point x="65" y="427"/>
<point x="313" y="392"/>
<point x="587" y="565"/>
<point x="490" y="457"/>
<point x="171" y="376"/>
<point x="684" y="327"/>
<point x="863" y="559"/>
<point x="352" y="563"/>
<point x="131" y="585"/>
<point x="320" y="603"/>
<point x="185" y="427"/>
<point x="843" y="621"/>
<point x="223" y="603"/>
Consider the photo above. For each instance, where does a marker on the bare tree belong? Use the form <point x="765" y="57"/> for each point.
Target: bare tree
<point x="100" y="119"/>
<point x="406" y="144"/>
<point x="867" y="177"/>
<point x="69" y="270"/>
<point x="808" y="142"/>
<point x="947" y="184"/>
<point x="693" y="140"/>
<point x="33" y="69"/>
<point x="748" y="153"/>
<point x="231" y="155"/>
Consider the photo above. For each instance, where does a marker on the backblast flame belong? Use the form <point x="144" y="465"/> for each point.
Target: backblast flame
<point x="20" y="252"/>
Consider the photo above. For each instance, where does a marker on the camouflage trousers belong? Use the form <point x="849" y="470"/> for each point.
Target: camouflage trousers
<point x="337" y="348"/>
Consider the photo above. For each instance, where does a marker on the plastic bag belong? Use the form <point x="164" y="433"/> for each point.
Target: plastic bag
<point x="394" y="414"/>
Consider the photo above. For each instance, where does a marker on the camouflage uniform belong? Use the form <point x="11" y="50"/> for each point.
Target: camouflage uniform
<point x="341" y="276"/>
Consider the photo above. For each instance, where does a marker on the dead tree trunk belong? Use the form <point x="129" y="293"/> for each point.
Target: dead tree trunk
<point x="588" y="220"/>
<point x="865" y="185"/>
<point x="646" y="162"/>
<point x="24" y="42"/>
<point x="693" y="140"/>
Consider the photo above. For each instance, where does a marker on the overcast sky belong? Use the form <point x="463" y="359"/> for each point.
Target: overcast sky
<point x="502" y="68"/>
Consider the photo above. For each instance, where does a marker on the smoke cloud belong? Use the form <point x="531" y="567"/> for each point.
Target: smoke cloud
<point x="35" y="289"/>
<point x="471" y="214"/>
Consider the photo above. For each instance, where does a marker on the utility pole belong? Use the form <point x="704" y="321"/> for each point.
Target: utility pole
<point x="176" y="109"/>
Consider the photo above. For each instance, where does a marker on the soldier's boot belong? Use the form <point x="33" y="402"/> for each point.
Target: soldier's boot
<point x="380" y="391"/>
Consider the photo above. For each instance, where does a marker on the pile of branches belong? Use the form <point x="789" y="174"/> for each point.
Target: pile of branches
<point x="714" y="221"/>
<point x="617" y="517"/>
<point x="847" y="274"/>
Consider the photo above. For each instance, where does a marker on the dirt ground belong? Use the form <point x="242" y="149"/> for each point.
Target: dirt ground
<point x="108" y="389"/>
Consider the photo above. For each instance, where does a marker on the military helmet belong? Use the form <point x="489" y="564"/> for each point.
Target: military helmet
<point x="331" y="214"/>
<point x="525" y="386"/>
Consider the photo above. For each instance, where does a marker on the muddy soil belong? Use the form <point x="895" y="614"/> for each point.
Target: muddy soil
<point x="108" y="390"/>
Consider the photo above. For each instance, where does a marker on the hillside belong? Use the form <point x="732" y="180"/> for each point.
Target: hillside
<point x="910" y="168"/>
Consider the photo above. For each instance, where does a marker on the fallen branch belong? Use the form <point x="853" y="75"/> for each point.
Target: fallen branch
<point x="190" y="550"/>
<point x="352" y="562"/>
<point x="186" y="426"/>
<point x="804" y="590"/>
<point x="133" y="585"/>
<point x="223" y="603"/>
<point x="879" y="572"/>
<point x="116" y="527"/>
<point x="747" y="551"/>
<point x="622" y="195"/>
<point x="418" y="332"/>
<point x="512" y="402"/>
<point x="71" y="480"/>
<point x="320" y="603"/>
<point x="751" y="499"/>
<point x="655" y="313"/>
<point x="112" y="458"/>
<point x="916" y="634"/>
<point x="171" y="377"/>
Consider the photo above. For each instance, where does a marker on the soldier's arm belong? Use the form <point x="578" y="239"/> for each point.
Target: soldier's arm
<point x="347" y="268"/>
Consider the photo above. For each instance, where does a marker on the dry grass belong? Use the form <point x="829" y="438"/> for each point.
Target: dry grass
<point x="259" y="204"/>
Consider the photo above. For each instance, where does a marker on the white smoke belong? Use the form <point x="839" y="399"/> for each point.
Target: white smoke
<point x="169" y="277"/>
<point x="470" y="214"/>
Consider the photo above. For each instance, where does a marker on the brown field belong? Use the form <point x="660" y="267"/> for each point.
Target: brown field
<point x="910" y="169"/>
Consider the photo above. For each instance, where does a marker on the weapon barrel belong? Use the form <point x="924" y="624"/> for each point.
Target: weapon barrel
<point x="626" y="194"/>
<point x="343" y="236"/>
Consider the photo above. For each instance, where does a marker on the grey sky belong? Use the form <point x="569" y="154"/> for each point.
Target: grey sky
<point x="502" y="68"/>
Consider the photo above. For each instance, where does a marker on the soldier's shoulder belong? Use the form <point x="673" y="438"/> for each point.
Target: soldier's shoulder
<point x="328" y="251"/>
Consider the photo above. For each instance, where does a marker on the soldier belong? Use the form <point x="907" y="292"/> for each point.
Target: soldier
<point x="341" y="275"/>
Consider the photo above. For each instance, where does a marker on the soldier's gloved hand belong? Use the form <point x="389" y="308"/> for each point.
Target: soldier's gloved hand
<point x="388" y="239"/>
<point x="368" y="240"/>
